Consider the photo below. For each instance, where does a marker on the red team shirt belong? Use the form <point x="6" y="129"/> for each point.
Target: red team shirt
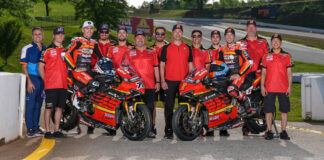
<point x="276" y="65"/>
<point x="201" y="57"/>
<point x="256" y="50"/>
<point x="117" y="53"/>
<point x="104" y="51"/>
<point x="55" y="68"/>
<point x="214" y="53"/>
<point x="143" y="63"/>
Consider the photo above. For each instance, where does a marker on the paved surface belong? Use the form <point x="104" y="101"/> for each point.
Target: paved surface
<point x="304" y="145"/>
<point x="299" y="52"/>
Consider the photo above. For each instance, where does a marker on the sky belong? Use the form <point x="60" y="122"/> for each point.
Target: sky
<point x="138" y="3"/>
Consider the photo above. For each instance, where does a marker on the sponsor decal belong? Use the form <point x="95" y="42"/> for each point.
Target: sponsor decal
<point x="269" y="58"/>
<point x="115" y="50"/>
<point x="213" y="118"/>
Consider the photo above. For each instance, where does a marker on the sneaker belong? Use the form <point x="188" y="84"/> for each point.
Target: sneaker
<point x="58" y="134"/>
<point x="154" y="130"/>
<point x="268" y="135"/>
<point x="210" y="133"/>
<point x="30" y="133"/>
<point x="224" y="133"/>
<point x="90" y="130"/>
<point x="110" y="132"/>
<point x="168" y="135"/>
<point x="48" y="135"/>
<point x="39" y="133"/>
<point x="284" y="135"/>
<point x="151" y="135"/>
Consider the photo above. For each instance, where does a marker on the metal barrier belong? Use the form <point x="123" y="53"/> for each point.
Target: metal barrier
<point x="55" y="21"/>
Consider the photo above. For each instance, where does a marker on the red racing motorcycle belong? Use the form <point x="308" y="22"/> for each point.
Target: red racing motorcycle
<point x="111" y="105"/>
<point x="208" y="105"/>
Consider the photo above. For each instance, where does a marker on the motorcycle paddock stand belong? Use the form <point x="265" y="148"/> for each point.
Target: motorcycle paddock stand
<point x="275" y="135"/>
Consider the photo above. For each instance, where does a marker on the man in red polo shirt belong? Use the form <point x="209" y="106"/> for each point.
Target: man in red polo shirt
<point x="276" y="81"/>
<point x="53" y="71"/>
<point x="160" y="33"/>
<point x="145" y="63"/>
<point x="201" y="57"/>
<point x="175" y="64"/>
<point x="104" y="43"/>
<point x="215" y="38"/>
<point x="117" y="52"/>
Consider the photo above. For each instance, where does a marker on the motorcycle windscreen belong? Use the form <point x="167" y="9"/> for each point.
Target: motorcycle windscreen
<point x="105" y="107"/>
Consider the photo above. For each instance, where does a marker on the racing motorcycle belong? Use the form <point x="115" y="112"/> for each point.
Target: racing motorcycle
<point x="208" y="105"/>
<point x="109" y="106"/>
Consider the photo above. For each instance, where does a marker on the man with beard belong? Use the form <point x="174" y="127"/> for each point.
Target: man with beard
<point x="160" y="33"/>
<point x="117" y="52"/>
<point x="104" y="43"/>
<point x="145" y="63"/>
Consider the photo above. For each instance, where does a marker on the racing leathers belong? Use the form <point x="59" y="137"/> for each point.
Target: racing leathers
<point x="238" y="62"/>
<point x="79" y="55"/>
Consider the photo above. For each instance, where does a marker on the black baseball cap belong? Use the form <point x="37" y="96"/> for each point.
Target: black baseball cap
<point x="58" y="30"/>
<point x="121" y="27"/>
<point x="196" y="30"/>
<point x="177" y="26"/>
<point x="139" y="32"/>
<point x="229" y="30"/>
<point x="251" y="22"/>
<point x="276" y="36"/>
<point x="215" y="32"/>
<point x="103" y="27"/>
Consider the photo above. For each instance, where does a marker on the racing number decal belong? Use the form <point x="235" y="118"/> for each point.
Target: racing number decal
<point x="139" y="85"/>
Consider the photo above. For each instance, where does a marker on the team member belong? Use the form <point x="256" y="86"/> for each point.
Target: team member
<point x="30" y="56"/>
<point x="158" y="45"/>
<point x="53" y="71"/>
<point x="79" y="54"/>
<point x="104" y="43"/>
<point x="145" y="63"/>
<point x="201" y="57"/>
<point x="237" y="59"/>
<point x="175" y="64"/>
<point x="117" y="52"/>
<point x="276" y="81"/>
<point x="215" y="38"/>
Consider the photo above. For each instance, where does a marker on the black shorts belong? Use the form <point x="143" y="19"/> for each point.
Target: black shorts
<point x="159" y="95"/>
<point x="270" y="102"/>
<point x="55" y="98"/>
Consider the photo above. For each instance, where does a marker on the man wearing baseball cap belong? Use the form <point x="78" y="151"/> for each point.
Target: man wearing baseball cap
<point x="256" y="47"/>
<point x="201" y="57"/>
<point x="235" y="56"/>
<point x="104" y="43"/>
<point x="215" y="37"/>
<point x="78" y="57"/>
<point x="145" y="62"/>
<point x="53" y="71"/>
<point x="117" y="51"/>
<point x="276" y="81"/>
<point x="175" y="64"/>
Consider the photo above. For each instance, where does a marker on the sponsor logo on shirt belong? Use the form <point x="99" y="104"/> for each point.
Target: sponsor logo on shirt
<point x="53" y="53"/>
<point x="132" y="53"/>
<point x="115" y="50"/>
<point x="269" y="58"/>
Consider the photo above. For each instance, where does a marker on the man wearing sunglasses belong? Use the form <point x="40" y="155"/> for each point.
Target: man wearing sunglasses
<point x="175" y="64"/>
<point x="201" y="57"/>
<point x="117" y="51"/>
<point x="104" y="43"/>
<point x="157" y="46"/>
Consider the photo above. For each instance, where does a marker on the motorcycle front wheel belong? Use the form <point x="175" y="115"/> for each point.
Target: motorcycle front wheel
<point x="186" y="128"/>
<point x="138" y="127"/>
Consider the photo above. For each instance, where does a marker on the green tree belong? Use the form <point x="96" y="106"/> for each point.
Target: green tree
<point x="15" y="8"/>
<point x="10" y="33"/>
<point x="103" y="11"/>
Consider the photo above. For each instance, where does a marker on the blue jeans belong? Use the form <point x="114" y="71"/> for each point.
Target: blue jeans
<point x="34" y="103"/>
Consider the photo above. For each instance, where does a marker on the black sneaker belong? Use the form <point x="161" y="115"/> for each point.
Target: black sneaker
<point x="210" y="133"/>
<point x="110" y="132"/>
<point x="154" y="130"/>
<point x="90" y="130"/>
<point x="58" y="134"/>
<point x="284" y="135"/>
<point x="224" y="133"/>
<point x="48" y="135"/>
<point x="268" y="135"/>
<point x="168" y="135"/>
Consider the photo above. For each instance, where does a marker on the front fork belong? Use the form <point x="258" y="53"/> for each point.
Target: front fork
<point x="129" y="110"/>
<point x="194" y="111"/>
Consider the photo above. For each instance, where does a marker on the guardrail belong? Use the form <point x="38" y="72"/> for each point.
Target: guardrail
<point x="280" y="26"/>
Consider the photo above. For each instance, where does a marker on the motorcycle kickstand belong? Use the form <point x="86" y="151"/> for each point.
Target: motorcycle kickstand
<point x="79" y="131"/>
<point x="276" y="134"/>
